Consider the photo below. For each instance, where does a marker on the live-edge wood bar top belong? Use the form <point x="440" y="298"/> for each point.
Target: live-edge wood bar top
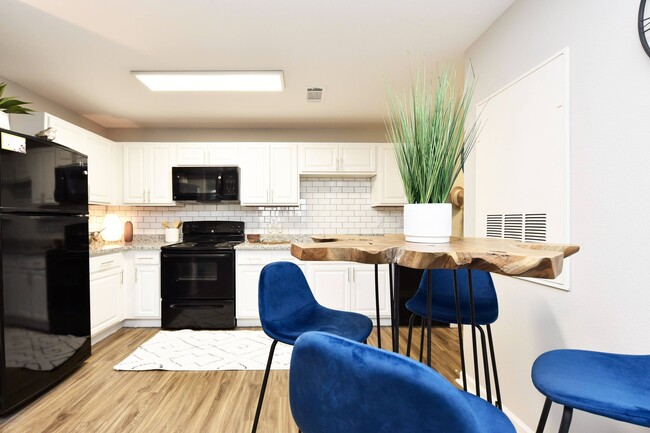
<point x="501" y="256"/>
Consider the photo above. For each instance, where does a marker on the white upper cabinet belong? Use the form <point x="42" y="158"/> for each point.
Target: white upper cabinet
<point x="387" y="187"/>
<point x="102" y="187"/>
<point x="197" y="154"/>
<point x="340" y="159"/>
<point x="148" y="173"/>
<point x="269" y="174"/>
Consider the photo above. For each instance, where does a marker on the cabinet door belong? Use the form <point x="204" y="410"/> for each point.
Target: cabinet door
<point x="105" y="295"/>
<point x="249" y="267"/>
<point x="284" y="174"/>
<point x="363" y="292"/>
<point x="387" y="187"/>
<point x="99" y="164"/>
<point x="190" y="154"/>
<point x="255" y="188"/>
<point x="160" y="159"/>
<point x="222" y="154"/>
<point x="319" y="158"/>
<point x="330" y="284"/>
<point x="357" y="158"/>
<point x="67" y="134"/>
<point x="248" y="277"/>
<point x="147" y="292"/>
<point x="134" y="173"/>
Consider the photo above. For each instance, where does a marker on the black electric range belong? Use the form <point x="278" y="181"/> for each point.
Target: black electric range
<point x="198" y="276"/>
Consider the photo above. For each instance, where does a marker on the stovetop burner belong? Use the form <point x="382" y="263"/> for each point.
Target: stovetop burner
<point x="209" y="236"/>
<point x="203" y="245"/>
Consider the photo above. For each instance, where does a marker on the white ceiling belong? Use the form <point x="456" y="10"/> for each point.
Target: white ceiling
<point x="79" y="53"/>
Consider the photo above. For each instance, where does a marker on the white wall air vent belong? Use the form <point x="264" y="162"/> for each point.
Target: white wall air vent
<point x="494" y="227"/>
<point x="529" y="227"/>
<point x="513" y="226"/>
<point x="535" y="227"/>
<point x="314" y="94"/>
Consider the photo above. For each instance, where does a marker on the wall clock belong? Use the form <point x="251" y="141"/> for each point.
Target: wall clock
<point x="644" y="26"/>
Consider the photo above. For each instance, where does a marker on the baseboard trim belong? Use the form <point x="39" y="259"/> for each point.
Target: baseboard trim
<point x="141" y="323"/>
<point x="520" y="426"/>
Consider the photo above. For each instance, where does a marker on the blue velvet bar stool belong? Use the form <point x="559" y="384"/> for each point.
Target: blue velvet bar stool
<point x="338" y="385"/>
<point x="443" y="309"/>
<point x="288" y="309"/>
<point x="607" y="384"/>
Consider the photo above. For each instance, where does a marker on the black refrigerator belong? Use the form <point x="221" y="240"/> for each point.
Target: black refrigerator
<point x="44" y="280"/>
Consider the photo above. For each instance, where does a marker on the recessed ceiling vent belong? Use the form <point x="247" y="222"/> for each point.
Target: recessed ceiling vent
<point x="314" y="94"/>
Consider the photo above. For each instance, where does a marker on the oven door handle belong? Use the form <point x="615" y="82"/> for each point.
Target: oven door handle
<point x="198" y="306"/>
<point x="191" y="255"/>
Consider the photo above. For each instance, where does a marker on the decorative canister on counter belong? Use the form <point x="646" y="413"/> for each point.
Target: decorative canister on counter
<point x="128" y="231"/>
<point x="172" y="235"/>
<point x="172" y="231"/>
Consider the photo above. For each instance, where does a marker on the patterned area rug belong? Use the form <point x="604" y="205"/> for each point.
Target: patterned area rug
<point x="207" y="350"/>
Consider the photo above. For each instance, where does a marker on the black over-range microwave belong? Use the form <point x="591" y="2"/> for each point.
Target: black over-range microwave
<point x="205" y="183"/>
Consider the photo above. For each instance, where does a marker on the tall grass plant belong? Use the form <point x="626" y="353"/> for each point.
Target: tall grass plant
<point x="427" y="127"/>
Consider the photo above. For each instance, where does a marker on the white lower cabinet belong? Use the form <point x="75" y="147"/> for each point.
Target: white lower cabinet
<point x="124" y="291"/>
<point x="330" y="284"/>
<point x="249" y="266"/>
<point x="106" y="294"/>
<point x="362" y="295"/>
<point x="147" y="285"/>
<point x="350" y="287"/>
<point x="338" y="285"/>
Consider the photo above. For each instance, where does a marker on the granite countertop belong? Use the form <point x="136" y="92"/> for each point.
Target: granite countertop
<point x="142" y="242"/>
<point x="285" y="244"/>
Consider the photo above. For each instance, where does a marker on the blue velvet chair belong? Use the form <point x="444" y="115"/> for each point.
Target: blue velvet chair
<point x="443" y="309"/>
<point x="612" y="385"/>
<point x="337" y="385"/>
<point x="288" y="309"/>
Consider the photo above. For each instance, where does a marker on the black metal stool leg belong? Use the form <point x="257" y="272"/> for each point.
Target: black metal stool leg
<point x="429" y="295"/>
<point x="459" y="322"/>
<point x="408" y="341"/>
<point x="497" y="388"/>
<point x="472" y="315"/>
<point x="486" y="366"/>
<point x="394" y="291"/>
<point x="264" y="382"/>
<point x="566" y="419"/>
<point x="377" y="305"/>
<point x="544" y="416"/>
<point x="421" y="338"/>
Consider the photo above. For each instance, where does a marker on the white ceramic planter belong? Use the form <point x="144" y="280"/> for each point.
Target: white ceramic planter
<point x="172" y="235"/>
<point x="4" y="120"/>
<point x="428" y="223"/>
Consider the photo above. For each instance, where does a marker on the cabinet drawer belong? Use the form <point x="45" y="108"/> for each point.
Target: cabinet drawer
<point x="147" y="257"/>
<point x="246" y="259"/>
<point x="102" y="263"/>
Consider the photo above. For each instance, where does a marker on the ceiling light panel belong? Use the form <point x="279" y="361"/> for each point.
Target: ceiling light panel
<point x="212" y="81"/>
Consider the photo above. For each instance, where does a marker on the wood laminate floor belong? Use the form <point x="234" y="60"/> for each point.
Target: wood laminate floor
<point x="98" y="399"/>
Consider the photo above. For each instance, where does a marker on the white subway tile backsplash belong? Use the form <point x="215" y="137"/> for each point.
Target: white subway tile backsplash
<point x="326" y="205"/>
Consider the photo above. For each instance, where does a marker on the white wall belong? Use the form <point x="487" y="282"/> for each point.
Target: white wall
<point x="608" y="308"/>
